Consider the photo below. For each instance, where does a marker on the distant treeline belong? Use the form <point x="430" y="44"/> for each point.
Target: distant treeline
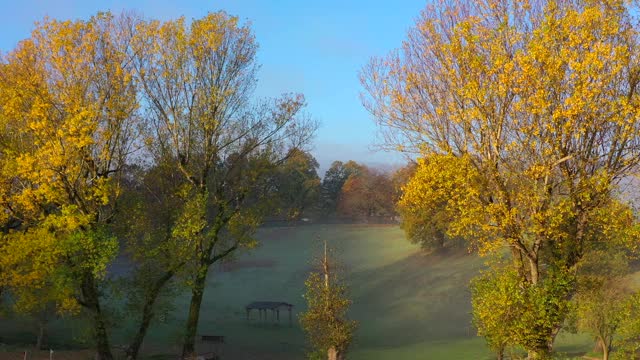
<point x="348" y="192"/>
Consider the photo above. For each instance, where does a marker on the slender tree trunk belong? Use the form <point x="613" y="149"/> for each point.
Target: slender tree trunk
<point x="41" y="329"/>
<point x="334" y="354"/>
<point x="534" y="270"/>
<point x="606" y="348"/>
<point x="440" y="239"/>
<point x="92" y="302"/>
<point x="541" y="350"/>
<point x="147" y="315"/>
<point x="102" y="337"/>
<point x="554" y="334"/>
<point x="197" y="292"/>
<point x="597" y="347"/>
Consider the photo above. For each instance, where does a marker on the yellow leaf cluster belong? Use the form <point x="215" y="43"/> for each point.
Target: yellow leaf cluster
<point x="68" y="105"/>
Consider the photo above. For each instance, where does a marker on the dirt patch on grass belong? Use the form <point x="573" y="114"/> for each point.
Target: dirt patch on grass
<point x="247" y="264"/>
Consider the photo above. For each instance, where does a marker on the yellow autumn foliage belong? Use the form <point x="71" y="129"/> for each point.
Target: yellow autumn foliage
<point x="68" y="105"/>
<point x="536" y="99"/>
<point x="525" y="116"/>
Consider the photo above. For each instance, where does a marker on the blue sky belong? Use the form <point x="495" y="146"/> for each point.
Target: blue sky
<point x="313" y="47"/>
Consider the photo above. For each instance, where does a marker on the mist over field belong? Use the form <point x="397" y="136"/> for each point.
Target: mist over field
<point x="332" y="180"/>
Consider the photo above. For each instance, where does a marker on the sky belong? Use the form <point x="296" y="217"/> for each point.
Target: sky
<point x="312" y="47"/>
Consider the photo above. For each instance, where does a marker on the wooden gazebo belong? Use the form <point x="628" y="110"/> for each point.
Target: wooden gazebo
<point x="264" y="306"/>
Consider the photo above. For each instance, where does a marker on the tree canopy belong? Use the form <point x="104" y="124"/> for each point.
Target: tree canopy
<point x="529" y="108"/>
<point x="78" y="99"/>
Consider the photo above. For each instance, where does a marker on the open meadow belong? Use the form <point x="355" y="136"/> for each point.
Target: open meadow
<point x="170" y="173"/>
<point x="408" y="305"/>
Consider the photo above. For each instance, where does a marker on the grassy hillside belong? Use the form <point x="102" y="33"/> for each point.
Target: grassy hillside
<point x="408" y="305"/>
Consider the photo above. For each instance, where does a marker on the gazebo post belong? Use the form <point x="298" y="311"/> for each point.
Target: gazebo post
<point x="264" y="306"/>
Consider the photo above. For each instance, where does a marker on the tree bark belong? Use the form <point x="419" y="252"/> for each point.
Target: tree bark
<point x="334" y="354"/>
<point x="91" y="300"/>
<point x="542" y="350"/>
<point x="539" y="353"/>
<point x="604" y="347"/>
<point x="188" y="349"/>
<point x="147" y="316"/>
<point x="197" y="291"/>
<point x="534" y="270"/>
<point x="41" y="328"/>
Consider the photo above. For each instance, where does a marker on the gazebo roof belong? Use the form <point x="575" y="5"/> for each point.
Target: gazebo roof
<point x="271" y="305"/>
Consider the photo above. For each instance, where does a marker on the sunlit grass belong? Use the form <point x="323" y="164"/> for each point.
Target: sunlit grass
<point x="408" y="305"/>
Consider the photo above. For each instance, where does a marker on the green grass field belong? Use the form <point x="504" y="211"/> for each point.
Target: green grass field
<point x="405" y="303"/>
<point x="408" y="305"/>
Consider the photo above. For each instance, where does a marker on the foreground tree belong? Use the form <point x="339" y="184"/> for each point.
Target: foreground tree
<point x="629" y="330"/>
<point x="426" y="217"/>
<point x="507" y="311"/>
<point x="150" y="210"/>
<point x="603" y="293"/>
<point x="600" y="308"/>
<point x="423" y="223"/>
<point x="198" y="80"/>
<point x="493" y="320"/>
<point x="68" y="106"/>
<point x="329" y="331"/>
<point x="530" y="109"/>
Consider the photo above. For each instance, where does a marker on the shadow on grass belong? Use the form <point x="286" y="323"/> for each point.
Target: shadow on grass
<point x="421" y="298"/>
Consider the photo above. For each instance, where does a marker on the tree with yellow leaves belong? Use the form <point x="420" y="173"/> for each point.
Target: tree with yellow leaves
<point x="328" y="329"/>
<point x="529" y="111"/>
<point x="70" y="118"/>
<point x="68" y="111"/>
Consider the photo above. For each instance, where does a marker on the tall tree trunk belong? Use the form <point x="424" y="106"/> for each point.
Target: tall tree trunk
<point x="334" y="354"/>
<point x="91" y="300"/>
<point x="147" y="315"/>
<point x="606" y="348"/>
<point x="541" y="350"/>
<point x="197" y="292"/>
<point x="534" y="269"/>
<point x="41" y="328"/>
